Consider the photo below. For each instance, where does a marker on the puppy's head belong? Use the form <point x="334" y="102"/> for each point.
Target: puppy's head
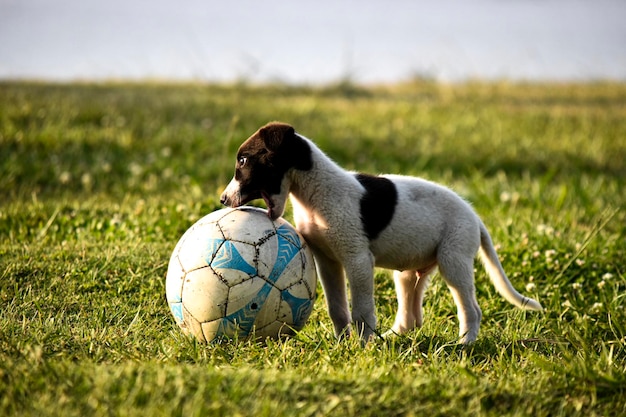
<point x="263" y="162"/>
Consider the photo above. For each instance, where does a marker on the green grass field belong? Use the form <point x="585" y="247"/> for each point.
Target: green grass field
<point x="98" y="182"/>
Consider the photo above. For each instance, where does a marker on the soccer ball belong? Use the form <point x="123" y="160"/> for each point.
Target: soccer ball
<point x="237" y="274"/>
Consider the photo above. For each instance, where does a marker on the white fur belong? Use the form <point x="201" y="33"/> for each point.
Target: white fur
<point x="431" y="227"/>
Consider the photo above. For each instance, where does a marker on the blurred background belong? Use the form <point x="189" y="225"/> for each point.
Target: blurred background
<point x="313" y="42"/>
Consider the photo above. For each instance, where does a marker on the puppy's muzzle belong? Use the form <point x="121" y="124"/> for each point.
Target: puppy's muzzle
<point x="224" y="199"/>
<point x="231" y="197"/>
<point x="230" y="201"/>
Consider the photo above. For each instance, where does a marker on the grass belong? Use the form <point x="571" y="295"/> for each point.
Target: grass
<point x="98" y="182"/>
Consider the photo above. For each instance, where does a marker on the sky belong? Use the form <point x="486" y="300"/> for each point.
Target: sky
<point x="313" y="42"/>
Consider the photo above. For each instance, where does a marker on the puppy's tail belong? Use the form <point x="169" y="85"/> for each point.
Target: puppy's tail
<point x="498" y="277"/>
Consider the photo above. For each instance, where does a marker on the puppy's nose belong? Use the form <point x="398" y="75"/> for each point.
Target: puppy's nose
<point x="224" y="199"/>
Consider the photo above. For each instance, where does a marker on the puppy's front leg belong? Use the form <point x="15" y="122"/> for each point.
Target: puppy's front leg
<point x="360" y="272"/>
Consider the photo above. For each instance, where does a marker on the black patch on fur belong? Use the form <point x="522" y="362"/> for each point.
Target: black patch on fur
<point x="377" y="204"/>
<point x="268" y="155"/>
<point x="289" y="150"/>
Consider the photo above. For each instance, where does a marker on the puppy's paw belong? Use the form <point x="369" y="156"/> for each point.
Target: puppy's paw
<point x="390" y="334"/>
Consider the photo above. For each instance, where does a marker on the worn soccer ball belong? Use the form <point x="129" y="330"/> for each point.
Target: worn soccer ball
<point x="237" y="274"/>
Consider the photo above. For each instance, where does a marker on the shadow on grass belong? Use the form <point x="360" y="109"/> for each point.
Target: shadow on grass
<point x="484" y="349"/>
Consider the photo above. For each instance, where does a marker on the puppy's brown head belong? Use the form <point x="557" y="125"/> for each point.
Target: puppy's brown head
<point x="263" y="161"/>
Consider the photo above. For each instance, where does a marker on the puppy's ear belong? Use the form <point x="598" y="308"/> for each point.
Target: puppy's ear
<point x="275" y="134"/>
<point x="289" y="149"/>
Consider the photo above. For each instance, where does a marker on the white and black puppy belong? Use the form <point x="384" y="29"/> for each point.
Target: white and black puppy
<point x="354" y="222"/>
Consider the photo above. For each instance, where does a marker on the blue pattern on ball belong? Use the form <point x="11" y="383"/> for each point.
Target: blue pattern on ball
<point x="177" y="310"/>
<point x="301" y="308"/>
<point x="223" y="254"/>
<point x="227" y="256"/>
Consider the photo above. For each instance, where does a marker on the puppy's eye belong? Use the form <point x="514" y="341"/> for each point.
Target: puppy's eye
<point x="242" y="161"/>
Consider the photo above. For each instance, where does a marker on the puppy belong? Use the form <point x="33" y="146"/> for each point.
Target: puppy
<point x="354" y="222"/>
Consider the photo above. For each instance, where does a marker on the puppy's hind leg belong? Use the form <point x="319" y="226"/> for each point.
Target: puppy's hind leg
<point x="334" y="284"/>
<point x="410" y="288"/>
<point x="458" y="273"/>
